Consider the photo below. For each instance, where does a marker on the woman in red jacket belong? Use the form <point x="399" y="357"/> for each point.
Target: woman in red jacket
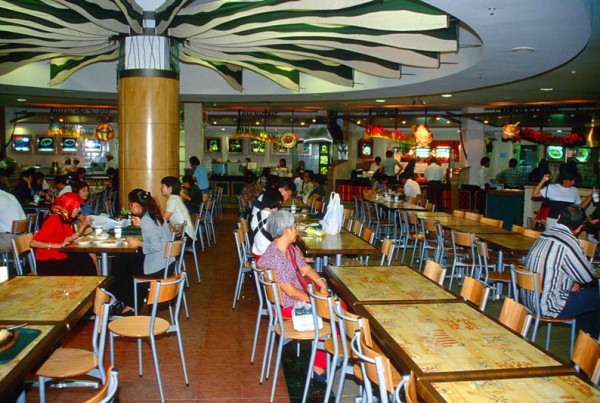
<point x="56" y="232"/>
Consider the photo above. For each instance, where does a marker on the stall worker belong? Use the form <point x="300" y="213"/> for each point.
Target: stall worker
<point x="201" y="175"/>
<point x="434" y="175"/>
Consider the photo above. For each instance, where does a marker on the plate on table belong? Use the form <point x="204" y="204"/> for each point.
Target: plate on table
<point x="8" y="338"/>
<point x="83" y="241"/>
<point x="102" y="237"/>
<point x="109" y="244"/>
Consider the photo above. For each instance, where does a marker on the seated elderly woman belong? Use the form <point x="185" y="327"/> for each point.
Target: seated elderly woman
<point x="283" y="257"/>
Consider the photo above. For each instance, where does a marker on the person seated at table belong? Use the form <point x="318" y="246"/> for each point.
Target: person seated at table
<point x="57" y="232"/>
<point x="381" y="182"/>
<point x="411" y="186"/>
<point x="570" y="287"/>
<point x="191" y="194"/>
<point x="307" y="185"/>
<point x="10" y="210"/>
<point x="24" y="189"/>
<point x="41" y="187"/>
<point x="318" y="193"/>
<point x="251" y="189"/>
<point x="175" y="212"/>
<point x="285" y="186"/>
<point x="83" y="190"/>
<point x="149" y="260"/>
<point x="289" y="265"/>
<point x="62" y="184"/>
<point x="261" y="238"/>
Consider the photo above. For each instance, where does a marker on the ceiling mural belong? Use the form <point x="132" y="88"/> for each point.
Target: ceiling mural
<point x="278" y="39"/>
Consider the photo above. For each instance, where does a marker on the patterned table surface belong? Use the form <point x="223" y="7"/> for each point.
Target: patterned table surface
<point x="390" y="204"/>
<point x="47" y="299"/>
<point x="342" y="243"/>
<point x="13" y="372"/>
<point x="381" y="284"/>
<point x="528" y="389"/>
<point x="513" y="242"/>
<point x="452" y="340"/>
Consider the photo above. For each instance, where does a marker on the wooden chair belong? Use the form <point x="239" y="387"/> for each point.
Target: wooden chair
<point x="496" y="277"/>
<point x="432" y="241"/>
<point x="459" y="213"/>
<point x="589" y="248"/>
<point x="434" y="271"/>
<point x="32" y="217"/>
<point x="108" y="391"/>
<point x="387" y="251"/>
<point x="475" y="291"/>
<point x="473" y="216"/>
<point x="168" y="291"/>
<point x="532" y="233"/>
<point x="430" y="207"/>
<point x="18" y="227"/>
<point x="517" y="228"/>
<point x="412" y="200"/>
<point x="531" y="282"/>
<point x="380" y="225"/>
<point x="245" y="265"/>
<point x="22" y="252"/>
<point x="491" y="221"/>
<point x="463" y="250"/>
<point x="413" y="236"/>
<point x="586" y="356"/>
<point x="284" y="328"/>
<point x="376" y="368"/>
<point x="411" y="389"/>
<point x="515" y="316"/>
<point x="357" y="227"/>
<point x="347" y="216"/>
<point x="71" y="362"/>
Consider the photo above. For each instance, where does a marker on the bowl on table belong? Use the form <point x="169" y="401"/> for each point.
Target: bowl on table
<point x="103" y="236"/>
<point x="83" y="241"/>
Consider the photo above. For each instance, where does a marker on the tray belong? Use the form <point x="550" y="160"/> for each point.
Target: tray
<point x="23" y="337"/>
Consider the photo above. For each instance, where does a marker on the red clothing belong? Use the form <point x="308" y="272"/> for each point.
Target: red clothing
<point x="54" y="230"/>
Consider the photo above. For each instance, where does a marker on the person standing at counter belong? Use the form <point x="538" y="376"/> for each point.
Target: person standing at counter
<point x="375" y="165"/>
<point x="484" y="173"/>
<point x="57" y="232"/>
<point x="511" y="177"/>
<point x="559" y="195"/>
<point x="201" y="175"/>
<point x="111" y="162"/>
<point x="434" y="175"/>
<point x="389" y="164"/>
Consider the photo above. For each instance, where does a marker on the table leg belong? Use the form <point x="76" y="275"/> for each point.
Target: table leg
<point x="338" y="259"/>
<point x="104" y="263"/>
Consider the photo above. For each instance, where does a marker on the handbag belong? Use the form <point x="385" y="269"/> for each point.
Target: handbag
<point x="332" y="222"/>
<point x="304" y="281"/>
<point x="302" y="317"/>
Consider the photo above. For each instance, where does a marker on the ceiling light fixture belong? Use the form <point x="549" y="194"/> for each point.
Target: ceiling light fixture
<point x="523" y="49"/>
<point x="21" y="99"/>
<point x="381" y="101"/>
<point x="446" y="95"/>
<point x="546" y="89"/>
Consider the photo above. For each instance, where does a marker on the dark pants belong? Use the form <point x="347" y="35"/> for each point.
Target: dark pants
<point x="76" y="264"/>
<point x="434" y="194"/>
<point x="585" y="306"/>
<point x="125" y="267"/>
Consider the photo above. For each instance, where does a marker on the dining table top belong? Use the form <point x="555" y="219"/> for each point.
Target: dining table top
<point x="392" y="205"/>
<point x="384" y="284"/>
<point x="513" y="242"/>
<point x="452" y="340"/>
<point x="343" y="242"/>
<point x="109" y="245"/>
<point x="550" y="388"/>
<point x="14" y="371"/>
<point x="432" y="215"/>
<point x="47" y="299"/>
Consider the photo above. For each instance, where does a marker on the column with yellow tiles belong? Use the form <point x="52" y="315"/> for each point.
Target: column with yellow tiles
<point x="148" y="89"/>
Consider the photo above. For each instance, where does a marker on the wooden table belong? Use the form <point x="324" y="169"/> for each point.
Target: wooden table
<point x="123" y="247"/>
<point x="432" y="215"/>
<point x="297" y="201"/>
<point x="343" y="243"/>
<point x="512" y="242"/>
<point x="47" y="299"/>
<point x="454" y="341"/>
<point x="391" y="205"/>
<point x="553" y="388"/>
<point x="384" y="284"/>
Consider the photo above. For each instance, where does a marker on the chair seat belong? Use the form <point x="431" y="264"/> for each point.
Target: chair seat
<point x="291" y="333"/>
<point x="548" y="319"/>
<point x="68" y="362"/>
<point x="503" y="277"/>
<point x="417" y="236"/>
<point x="137" y="326"/>
<point x="329" y="345"/>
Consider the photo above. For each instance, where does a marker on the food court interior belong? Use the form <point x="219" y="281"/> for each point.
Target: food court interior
<point x="331" y="85"/>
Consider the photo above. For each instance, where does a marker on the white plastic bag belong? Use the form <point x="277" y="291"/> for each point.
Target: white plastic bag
<point x="302" y="317"/>
<point x="332" y="222"/>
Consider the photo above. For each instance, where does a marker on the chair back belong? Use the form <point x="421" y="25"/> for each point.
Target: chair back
<point x="434" y="271"/>
<point x="33" y="219"/>
<point x="387" y="251"/>
<point x="463" y="239"/>
<point x="492" y="221"/>
<point x="473" y="216"/>
<point x="101" y="309"/>
<point x="376" y="366"/>
<point x="517" y="228"/>
<point x="430" y="207"/>
<point x="349" y="323"/>
<point x="108" y="391"/>
<point x="178" y="230"/>
<point x="357" y="227"/>
<point x="532" y="233"/>
<point x="318" y="206"/>
<point x="165" y="290"/>
<point x="459" y="213"/>
<point x="20" y="227"/>
<point x="526" y="280"/>
<point x="411" y="389"/>
<point x="515" y="316"/>
<point x="368" y="235"/>
<point x="21" y="250"/>
<point x="586" y="356"/>
<point x="174" y="251"/>
<point x="412" y="200"/>
<point x="347" y="215"/>
<point x="475" y="291"/>
<point x="589" y="248"/>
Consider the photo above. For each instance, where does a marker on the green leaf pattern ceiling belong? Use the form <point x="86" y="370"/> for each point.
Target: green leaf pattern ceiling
<point x="278" y="39"/>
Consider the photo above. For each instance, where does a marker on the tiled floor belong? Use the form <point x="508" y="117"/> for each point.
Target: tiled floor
<point x="217" y="343"/>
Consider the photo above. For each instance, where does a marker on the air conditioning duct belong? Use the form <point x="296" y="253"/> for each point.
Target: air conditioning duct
<point x="318" y="134"/>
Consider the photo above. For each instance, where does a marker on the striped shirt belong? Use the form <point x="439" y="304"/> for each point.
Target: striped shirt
<point x="560" y="259"/>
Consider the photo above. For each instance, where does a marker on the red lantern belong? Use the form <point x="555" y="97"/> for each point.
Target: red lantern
<point x="105" y="132"/>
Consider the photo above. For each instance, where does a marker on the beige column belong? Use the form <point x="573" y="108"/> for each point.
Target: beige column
<point x="148" y="130"/>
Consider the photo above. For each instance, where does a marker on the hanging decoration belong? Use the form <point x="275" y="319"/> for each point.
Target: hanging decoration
<point x="379" y="132"/>
<point x="510" y="130"/>
<point x="423" y="136"/>
<point x="105" y="132"/>
<point x="546" y="138"/>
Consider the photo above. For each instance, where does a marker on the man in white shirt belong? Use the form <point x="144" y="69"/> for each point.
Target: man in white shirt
<point x="434" y="175"/>
<point x="375" y="165"/>
<point x="411" y="187"/>
<point x="176" y="212"/>
<point x="484" y="175"/>
<point x="10" y="210"/>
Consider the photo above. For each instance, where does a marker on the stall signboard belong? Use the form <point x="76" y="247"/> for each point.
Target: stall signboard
<point x="555" y="153"/>
<point x="22" y="143"/>
<point x="45" y="144"/>
<point x="93" y="146"/>
<point x="581" y="154"/>
<point x="442" y="152"/>
<point x="68" y="144"/>
<point x="422" y="152"/>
